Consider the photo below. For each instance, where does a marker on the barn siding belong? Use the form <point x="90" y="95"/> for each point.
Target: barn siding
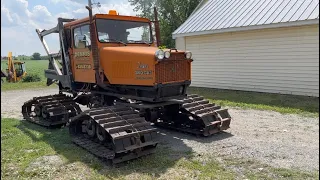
<point x="279" y="60"/>
<point x="180" y="43"/>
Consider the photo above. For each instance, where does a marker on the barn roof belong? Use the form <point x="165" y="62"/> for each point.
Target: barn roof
<point x="217" y="16"/>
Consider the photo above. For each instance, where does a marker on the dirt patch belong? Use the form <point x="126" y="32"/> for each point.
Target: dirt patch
<point x="12" y="101"/>
<point x="287" y="141"/>
<point x="9" y="170"/>
<point x="68" y="171"/>
<point x="45" y="164"/>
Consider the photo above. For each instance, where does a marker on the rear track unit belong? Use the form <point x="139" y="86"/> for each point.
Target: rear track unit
<point x="50" y="110"/>
<point x="198" y="116"/>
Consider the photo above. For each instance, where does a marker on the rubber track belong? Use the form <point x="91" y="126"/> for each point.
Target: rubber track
<point x="58" y="109"/>
<point x="203" y="114"/>
<point x="130" y="135"/>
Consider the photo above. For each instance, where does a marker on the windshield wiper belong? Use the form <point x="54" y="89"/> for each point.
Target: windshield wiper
<point x="118" y="41"/>
<point x="143" y="42"/>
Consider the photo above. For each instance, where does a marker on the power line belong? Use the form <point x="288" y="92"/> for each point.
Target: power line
<point x="98" y="5"/>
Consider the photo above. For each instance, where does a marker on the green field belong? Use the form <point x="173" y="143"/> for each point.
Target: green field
<point x="29" y="151"/>
<point x="33" y="67"/>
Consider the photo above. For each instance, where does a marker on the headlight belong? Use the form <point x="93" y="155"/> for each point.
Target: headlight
<point x="159" y="54"/>
<point x="167" y="54"/>
<point x="188" y="54"/>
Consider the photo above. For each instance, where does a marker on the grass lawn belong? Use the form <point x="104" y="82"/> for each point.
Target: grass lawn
<point x="33" y="67"/>
<point x="32" y="152"/>
<point x="293" y="104"/>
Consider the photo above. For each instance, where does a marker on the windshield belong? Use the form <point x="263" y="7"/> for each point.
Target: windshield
<point x="123" y="31"/>
<point x="23" y="67"/>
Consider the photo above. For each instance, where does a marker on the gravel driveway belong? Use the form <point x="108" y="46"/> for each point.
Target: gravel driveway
<point x="288" y="141"/>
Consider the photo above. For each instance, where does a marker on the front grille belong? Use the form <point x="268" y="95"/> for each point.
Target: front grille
<point x="176" y="56"/>
<point x="173" y="71"/>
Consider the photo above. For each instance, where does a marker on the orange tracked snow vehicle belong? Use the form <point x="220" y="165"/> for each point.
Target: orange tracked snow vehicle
<point x="112" y="64"/>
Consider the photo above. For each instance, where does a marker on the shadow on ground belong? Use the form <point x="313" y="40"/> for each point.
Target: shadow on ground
<point x="304" y="103"/>
<point x="174" y="136"/>
<point x="152" y="165"/>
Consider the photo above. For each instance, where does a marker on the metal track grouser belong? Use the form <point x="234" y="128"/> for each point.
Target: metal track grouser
<point x="129" y="84"/>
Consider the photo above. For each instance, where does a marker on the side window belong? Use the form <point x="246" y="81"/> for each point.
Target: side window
<point x="81" y="36"/>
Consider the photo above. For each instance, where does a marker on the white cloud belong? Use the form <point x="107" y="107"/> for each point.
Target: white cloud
<point x="18" y="25"/>
<point x="9" y="18"/>
<point x="64" y="15"/>
<point x="19" y="20"/>
<point x="40" y="10"/>
<point x="70" y="4"/>
<point x="19" y="7"/>
<point x="80" y="11"/>
<point x="6" y="18"/>
<point x="40" y="15"/>
<point x="121" y="8"/>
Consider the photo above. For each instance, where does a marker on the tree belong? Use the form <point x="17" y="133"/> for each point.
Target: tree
<point x="171" y="14"/>
<point x="36" y="56"/>
<point x="44" y="57"/>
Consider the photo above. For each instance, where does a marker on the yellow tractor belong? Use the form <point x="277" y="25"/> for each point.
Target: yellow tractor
<point x="16" y="70"/>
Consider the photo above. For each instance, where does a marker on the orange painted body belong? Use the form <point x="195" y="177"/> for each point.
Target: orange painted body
<point x="81" y="74"/>
<point x="134" y="64"/>
<point x="129" y="65"/>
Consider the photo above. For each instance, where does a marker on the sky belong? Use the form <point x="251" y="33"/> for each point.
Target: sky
<point x="20" y="18"/>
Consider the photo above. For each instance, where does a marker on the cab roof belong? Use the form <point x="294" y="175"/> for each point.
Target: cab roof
<point x="106" y="16"/>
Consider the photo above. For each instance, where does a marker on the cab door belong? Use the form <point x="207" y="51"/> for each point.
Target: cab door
<point x="81" y="58"/>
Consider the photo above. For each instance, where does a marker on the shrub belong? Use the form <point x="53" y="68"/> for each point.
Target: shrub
<point x="31" y="78"/>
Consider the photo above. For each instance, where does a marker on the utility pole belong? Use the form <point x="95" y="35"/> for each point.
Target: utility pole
<point x="89" y="4"/>
<point x="157" y="28"/>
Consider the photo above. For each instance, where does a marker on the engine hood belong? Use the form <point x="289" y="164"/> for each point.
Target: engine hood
<point x="137" y="65"/>
<point x="121" y="64"/>
<point x="126" y="52"/>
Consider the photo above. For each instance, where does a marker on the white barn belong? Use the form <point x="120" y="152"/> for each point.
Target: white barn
<point x="254" y="45"/>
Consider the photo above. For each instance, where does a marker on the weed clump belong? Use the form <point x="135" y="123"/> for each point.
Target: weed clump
<point x="31" y="78"/>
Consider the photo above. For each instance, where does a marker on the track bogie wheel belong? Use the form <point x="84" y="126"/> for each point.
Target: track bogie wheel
<point x="44" y="114"/>
<point x="38" y="110"/>
<point x="101" y="133"/>
<point x="91" y="128"/>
